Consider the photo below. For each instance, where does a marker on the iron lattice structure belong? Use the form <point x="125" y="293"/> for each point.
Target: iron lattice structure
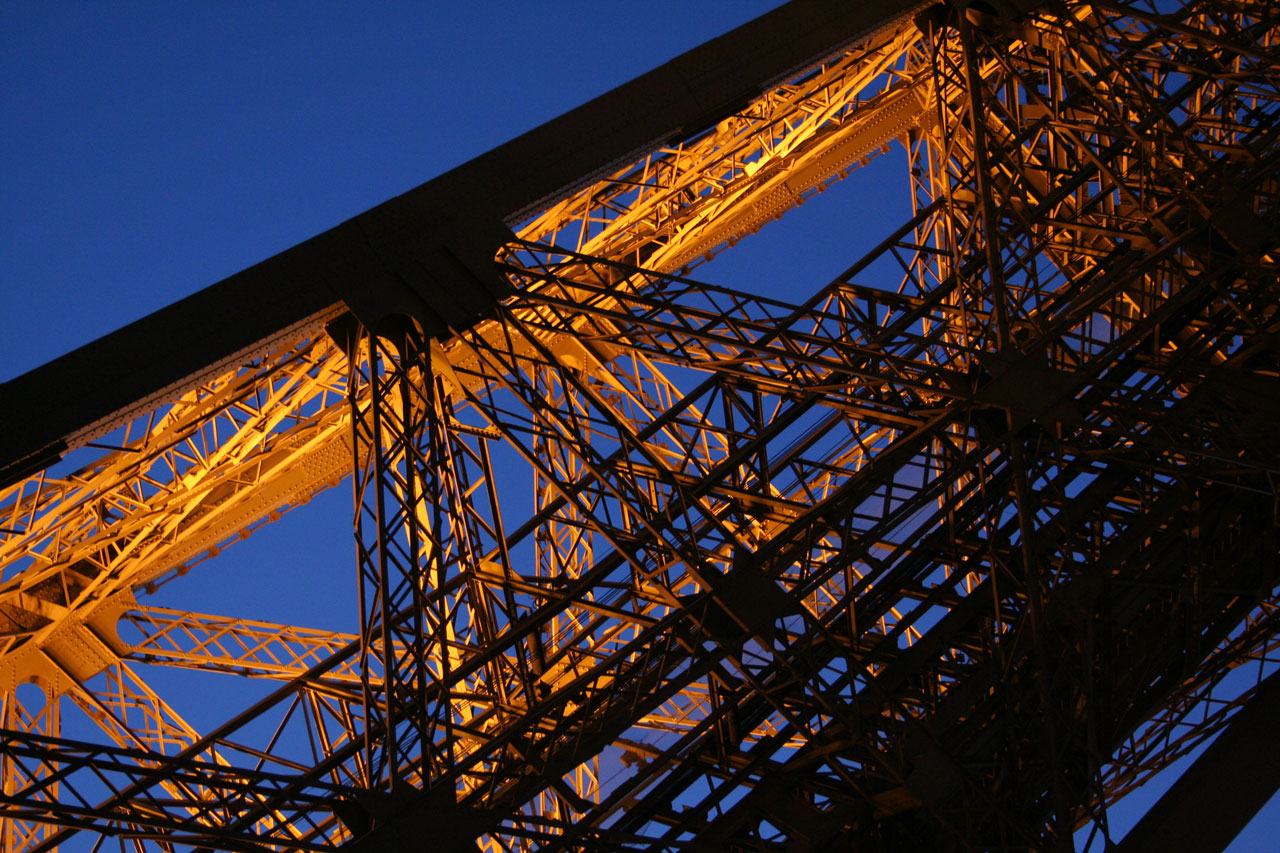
<point x="951" y="555"/>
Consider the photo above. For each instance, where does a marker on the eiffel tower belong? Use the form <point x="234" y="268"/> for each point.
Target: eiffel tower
<point x="953" y="553"/>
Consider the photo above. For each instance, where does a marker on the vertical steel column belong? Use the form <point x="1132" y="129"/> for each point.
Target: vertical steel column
<point x="398" y="526"/>
<point x="15" y="775"/>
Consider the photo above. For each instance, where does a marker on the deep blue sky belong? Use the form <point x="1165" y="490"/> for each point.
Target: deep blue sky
<point x="151" y="149"/>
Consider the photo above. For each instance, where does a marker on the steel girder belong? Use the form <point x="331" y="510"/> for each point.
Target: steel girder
<point x="953" y="554"/>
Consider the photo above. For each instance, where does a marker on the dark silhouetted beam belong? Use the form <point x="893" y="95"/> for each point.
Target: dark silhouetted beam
<point x="1223" y="789"/>
<point x="427" y="253"/>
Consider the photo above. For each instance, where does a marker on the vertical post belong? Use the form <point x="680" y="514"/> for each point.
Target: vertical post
<point x="398" y="497"/>
<point x="14" y="776"/>
<point x="982" y="175"/>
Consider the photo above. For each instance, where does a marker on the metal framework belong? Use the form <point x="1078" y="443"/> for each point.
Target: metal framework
<point x="954" y="554"/>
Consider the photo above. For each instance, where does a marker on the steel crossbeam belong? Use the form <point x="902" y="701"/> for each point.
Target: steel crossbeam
<point x="954" y="553"/>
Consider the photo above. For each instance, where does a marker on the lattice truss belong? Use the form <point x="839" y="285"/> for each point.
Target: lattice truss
<point x="956" y="552"/>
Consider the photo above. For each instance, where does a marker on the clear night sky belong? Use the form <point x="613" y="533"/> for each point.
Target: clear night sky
<point x="151" y="149"/>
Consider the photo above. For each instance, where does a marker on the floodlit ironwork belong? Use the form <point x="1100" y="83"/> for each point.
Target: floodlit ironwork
<point x="953" y="554"/>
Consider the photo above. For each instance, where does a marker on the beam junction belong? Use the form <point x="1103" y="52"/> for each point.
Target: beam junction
<point x="953" y="554"/>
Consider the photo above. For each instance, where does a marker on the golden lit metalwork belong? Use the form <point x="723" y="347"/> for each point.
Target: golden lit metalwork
<point x="959" y="550"/>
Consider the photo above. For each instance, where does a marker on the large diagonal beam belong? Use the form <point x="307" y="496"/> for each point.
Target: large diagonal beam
<point x="1217" y="796"/>
<point x="91" y="526"/>
<point x="428" y="252"/>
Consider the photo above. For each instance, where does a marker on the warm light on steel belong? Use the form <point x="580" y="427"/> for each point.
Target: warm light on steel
<point x="958" y="551"/>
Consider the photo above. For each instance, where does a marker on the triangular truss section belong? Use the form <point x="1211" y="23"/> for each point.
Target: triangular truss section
<point x="953" y="554"/>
